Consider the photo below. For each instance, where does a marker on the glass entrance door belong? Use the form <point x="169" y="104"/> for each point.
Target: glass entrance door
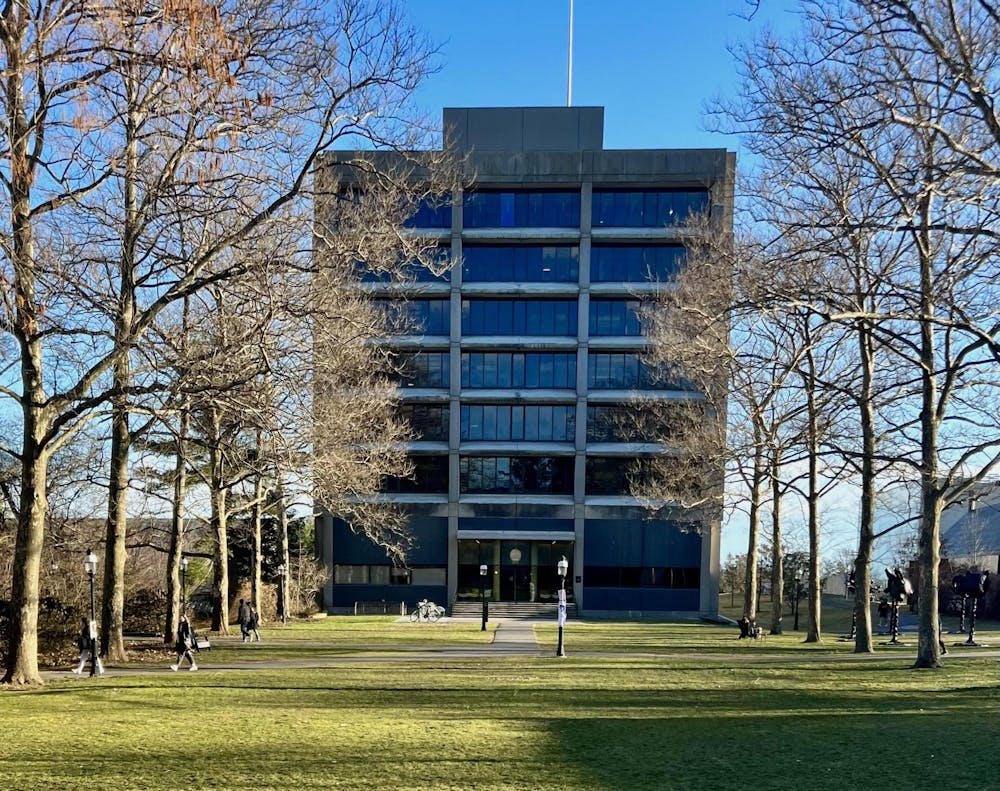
<point x="517" y="571"/>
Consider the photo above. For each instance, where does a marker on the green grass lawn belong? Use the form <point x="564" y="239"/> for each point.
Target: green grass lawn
<point x="704" y="721"/>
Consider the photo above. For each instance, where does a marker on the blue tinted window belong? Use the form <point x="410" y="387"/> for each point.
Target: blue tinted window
<point x="541" y="423"/>
<point x="624" y="371"/>
<point x="429" y="476"/>
<point x="518" y="369"/>
<point x="612" y="475"/>
<point x="635" y="263"/>
<point x="614" y="317"/>
<point x="521" y="263"/>
<point x="649" y="208"/>
<point x="527" y="474"/>
<point x="522" y="209"/>
<point x="422" y="369"/>
<point x="433" y="212"/>
<point x="414" y="271"/>
<point x="418" y="316"/>
<point x="428" y="421"/>
<point x="519" y="317"/>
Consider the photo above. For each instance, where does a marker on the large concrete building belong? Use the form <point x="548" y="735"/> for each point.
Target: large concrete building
<point x="527" y="348"/>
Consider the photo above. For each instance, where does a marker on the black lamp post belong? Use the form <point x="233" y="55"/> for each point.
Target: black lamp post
<point x="281" y="592"/>
<point x="798" y="592"/>
<point x="90" y="566"/>
<point x="184" y="588"/>
<point x="562" y="567"/>
<point x="482" y="593"/>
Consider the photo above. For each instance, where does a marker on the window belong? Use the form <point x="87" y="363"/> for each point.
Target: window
<point x="422" y="369"/>
<point x="638" y="422"/>
<point x="412" y="271"/>
<point x="635" y="264"/>
<point x="521" y="263"/>
<point x="518" y="369"/>
<point x="429" y="476"/>
<point x="615" y="317"/>
<point x="432" y="212"/>
<point x="417" y="316"/>
<point x="518" y="474"/>
<point x="350" y="575"/>
<point x="642" y="577"/>
<point x="626" y="371"/>
<point x="522" y="209"/>
<point x="428" y="421"/>
<point x="519" y="317"/>
<point x="612" y="475"/>
<point x="648" y="208"/>
<point x="555" y="423"/>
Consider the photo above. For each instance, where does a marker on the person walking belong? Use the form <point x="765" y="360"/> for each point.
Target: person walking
<point x="243" y="619"/>
<point x="185" y="642"/>
<point x="85" y="643"/>
<point x="253" y="622"/>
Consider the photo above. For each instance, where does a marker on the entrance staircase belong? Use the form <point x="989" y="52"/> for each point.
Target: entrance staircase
<point x="505" y="609"/>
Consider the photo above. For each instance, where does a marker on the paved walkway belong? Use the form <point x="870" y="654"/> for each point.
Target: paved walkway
<point x="512" y="637"/>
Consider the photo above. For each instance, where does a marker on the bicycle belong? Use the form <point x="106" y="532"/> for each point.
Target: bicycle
<point x="427" y="611"/>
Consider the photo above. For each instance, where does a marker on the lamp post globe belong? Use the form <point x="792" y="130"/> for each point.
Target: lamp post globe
<point x="562" y="567"/>
<point x="483" y="570"/>
<point x="90" y="567"/>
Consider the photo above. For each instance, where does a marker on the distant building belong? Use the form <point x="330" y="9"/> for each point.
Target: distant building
<point x="527" y="350"/>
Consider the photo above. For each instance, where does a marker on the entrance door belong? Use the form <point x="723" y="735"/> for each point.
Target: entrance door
<point x="515" y="571"/>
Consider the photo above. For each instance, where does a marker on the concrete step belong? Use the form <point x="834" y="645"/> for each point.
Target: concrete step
<point x="502" y="609"/>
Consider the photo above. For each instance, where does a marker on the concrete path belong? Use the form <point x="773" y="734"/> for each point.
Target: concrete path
<point x="515" y="637"/>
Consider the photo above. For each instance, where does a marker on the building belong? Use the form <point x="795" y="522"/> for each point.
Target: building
<point x="527" y="349"/>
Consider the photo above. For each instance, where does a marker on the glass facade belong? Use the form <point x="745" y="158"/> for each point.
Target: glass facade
<point x="421" y="369"/>
<point x="635" y="263"/>
<point x="522" y="209"/>
<point x="518" y="369"/>
<point x="413" y="271"/>
<point x="429" y="476"/>
<point x="432" y="212"/>
<point x="521" y="263"/>
<point x="517" y="474"/>
<point x="522" y="423"/>
<point x="428" y="421"/>
<point x="417" y="316"/>
<point x="612" y="475"/>
<point x="646" y="208"/>
<point x="615" y="317"/>
<point x="633" y="423"/>
<point x="623" y="371"/>
<point x="519" y="317"/>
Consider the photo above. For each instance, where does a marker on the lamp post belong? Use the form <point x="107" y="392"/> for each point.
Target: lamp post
<point x="90" y="566"/>
<point x="184" y="588"/>
<point x="562" y="567"/>
<point x="798" y="589"/>
<point x="281" y="592"/>
<point x="482" y="593"/>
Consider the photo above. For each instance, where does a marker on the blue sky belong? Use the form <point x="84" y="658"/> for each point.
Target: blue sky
<point x="652" y="64"/>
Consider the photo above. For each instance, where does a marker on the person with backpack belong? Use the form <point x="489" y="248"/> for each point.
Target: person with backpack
<point x="253" y="621"/>
<point x="186" y="640"/>
<point x="243" y="619"/>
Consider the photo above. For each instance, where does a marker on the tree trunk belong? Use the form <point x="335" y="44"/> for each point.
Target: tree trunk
<point x="220" y="561"/>
<point x="928" y="648"/>
<point x="22" y="651"/>
<point x="175" y="589"/>
<point x="777" y="553"/>
<point x="113" y="598"/>
<point x="814" y="632"/>
<point x="750" y="592"/>
<point x="863" y="643"/>
<point x="255" y="560"/>
<point x="283" y="542"/>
